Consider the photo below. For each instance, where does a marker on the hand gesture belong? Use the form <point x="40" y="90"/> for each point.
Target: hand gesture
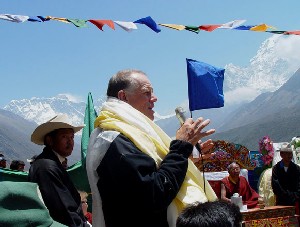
<point x="191" y="131"/>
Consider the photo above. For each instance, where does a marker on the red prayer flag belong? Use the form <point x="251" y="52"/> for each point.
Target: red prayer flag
<point x="209" y="27"/>
<point x="101" y="23"/>
<point x="292" y="33"/>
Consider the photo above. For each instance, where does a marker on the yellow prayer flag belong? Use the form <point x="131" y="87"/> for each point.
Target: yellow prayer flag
<point x="174" y="26"/>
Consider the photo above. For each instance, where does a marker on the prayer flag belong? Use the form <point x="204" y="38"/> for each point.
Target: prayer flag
<point x="232" y="24"/>
<point x="78" y="23"/>
<point x="61" y="19"/>
<point x="209" y="28"/>
<point x="205" y="85"/>
<point x="35" y="19"/>
<point x="192" y="29"/>
<point x="245" y="27"/>
<point x="292" y="33"/>
<point x="174" y="26"/>
<point x="101" y="23"/>
<point x="127" y="26"/>
<point x="260" y="28"/>
<point x="148" y="21"/>
<point x="277" y="32"/>
<point x="14" y="18"/>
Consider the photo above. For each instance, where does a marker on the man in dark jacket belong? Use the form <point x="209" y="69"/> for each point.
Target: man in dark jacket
<point x="139" y="177"/>
<point x="286" y="179"/>
<point x="59" y="193"/>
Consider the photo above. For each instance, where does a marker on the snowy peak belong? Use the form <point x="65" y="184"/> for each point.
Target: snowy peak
<point x="40" y="110"/>
<point x="275" y="62"/>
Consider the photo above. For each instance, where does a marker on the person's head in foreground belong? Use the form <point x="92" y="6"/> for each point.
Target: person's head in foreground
<point x="133" y="86"/>
<point x="57" y="134"/>
<point x="210" y="214"/>
<point x="17" y="165"/>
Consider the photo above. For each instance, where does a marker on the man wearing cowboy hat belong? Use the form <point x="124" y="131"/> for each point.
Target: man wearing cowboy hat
<point x="58" y="192"/>
<point x="286" y="178"/>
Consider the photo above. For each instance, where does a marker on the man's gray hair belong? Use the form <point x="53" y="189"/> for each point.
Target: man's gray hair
<point x="231" y="164"/>
<point x="122" y="80"/>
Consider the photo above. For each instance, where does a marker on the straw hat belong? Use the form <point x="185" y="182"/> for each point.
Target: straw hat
<point x="57" y="122"/>
<point x="286" y="147"/>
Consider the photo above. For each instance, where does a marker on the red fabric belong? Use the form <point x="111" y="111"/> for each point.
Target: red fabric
<point x="101" y="23"/>
<point x="292" y="33"/>
<point x="249" y="195"/>
<point x="216" y="186"/>
<point x="209" y="27"/>
<point x="88" y="216"/>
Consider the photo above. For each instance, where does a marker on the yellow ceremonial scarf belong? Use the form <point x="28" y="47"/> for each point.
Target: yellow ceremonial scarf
<point x="151" y="139"/>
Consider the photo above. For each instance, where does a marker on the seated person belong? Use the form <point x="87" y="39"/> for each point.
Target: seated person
<point x="17" y="165"/>
<point x="84" y="204"/>
<point x="285" y="179"/>
<point x="210" y="214"/>
<point x="234" y="183"/>
<point x="2" y="161"/>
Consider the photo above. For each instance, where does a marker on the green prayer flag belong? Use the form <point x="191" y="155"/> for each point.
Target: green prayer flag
<point x="192" y="29"/>
<point x="78" y="23"/>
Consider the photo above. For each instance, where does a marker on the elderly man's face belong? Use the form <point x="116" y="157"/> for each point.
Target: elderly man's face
<point x="235" y="170"/>
<point x="142" y="97"/>
<point x="63" y="142"/>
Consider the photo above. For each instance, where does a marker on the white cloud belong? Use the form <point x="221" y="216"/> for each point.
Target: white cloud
<point x="288" y="47"/>
<point x="239" y="95"/>
<point x="71" y="97"/>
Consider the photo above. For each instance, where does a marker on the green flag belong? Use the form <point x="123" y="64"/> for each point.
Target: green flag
<point x="89" y="118"/>
<point x="77" y="171"/>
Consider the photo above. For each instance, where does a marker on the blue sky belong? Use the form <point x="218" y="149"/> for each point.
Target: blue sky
<point x="50" y="58"/>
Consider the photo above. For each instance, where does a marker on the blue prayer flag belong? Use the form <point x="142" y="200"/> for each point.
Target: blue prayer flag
<point x="149" y="22"/>
<point x="205" y="85"/>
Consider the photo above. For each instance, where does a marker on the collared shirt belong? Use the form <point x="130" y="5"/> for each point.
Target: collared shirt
<point x="61" y="158"/>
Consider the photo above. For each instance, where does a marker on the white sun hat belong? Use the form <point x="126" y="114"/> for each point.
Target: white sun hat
<point x="57" y="122"/>
<point x="286" y="147"/>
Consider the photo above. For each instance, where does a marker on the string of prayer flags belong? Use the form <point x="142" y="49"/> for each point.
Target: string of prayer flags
<point x="149" y="22"/>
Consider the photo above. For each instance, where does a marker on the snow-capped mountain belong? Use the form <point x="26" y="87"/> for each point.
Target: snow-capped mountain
<point x="40" y="110"/>
<point x="274" y="63"/>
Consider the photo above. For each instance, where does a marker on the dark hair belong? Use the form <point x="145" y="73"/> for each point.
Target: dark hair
<point x="210" y="214"/>
<point x="15" y="164"/>
<point x="121" y="80"/>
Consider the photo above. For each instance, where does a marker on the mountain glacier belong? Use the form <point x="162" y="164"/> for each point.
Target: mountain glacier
<point x="274" y="63"/>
